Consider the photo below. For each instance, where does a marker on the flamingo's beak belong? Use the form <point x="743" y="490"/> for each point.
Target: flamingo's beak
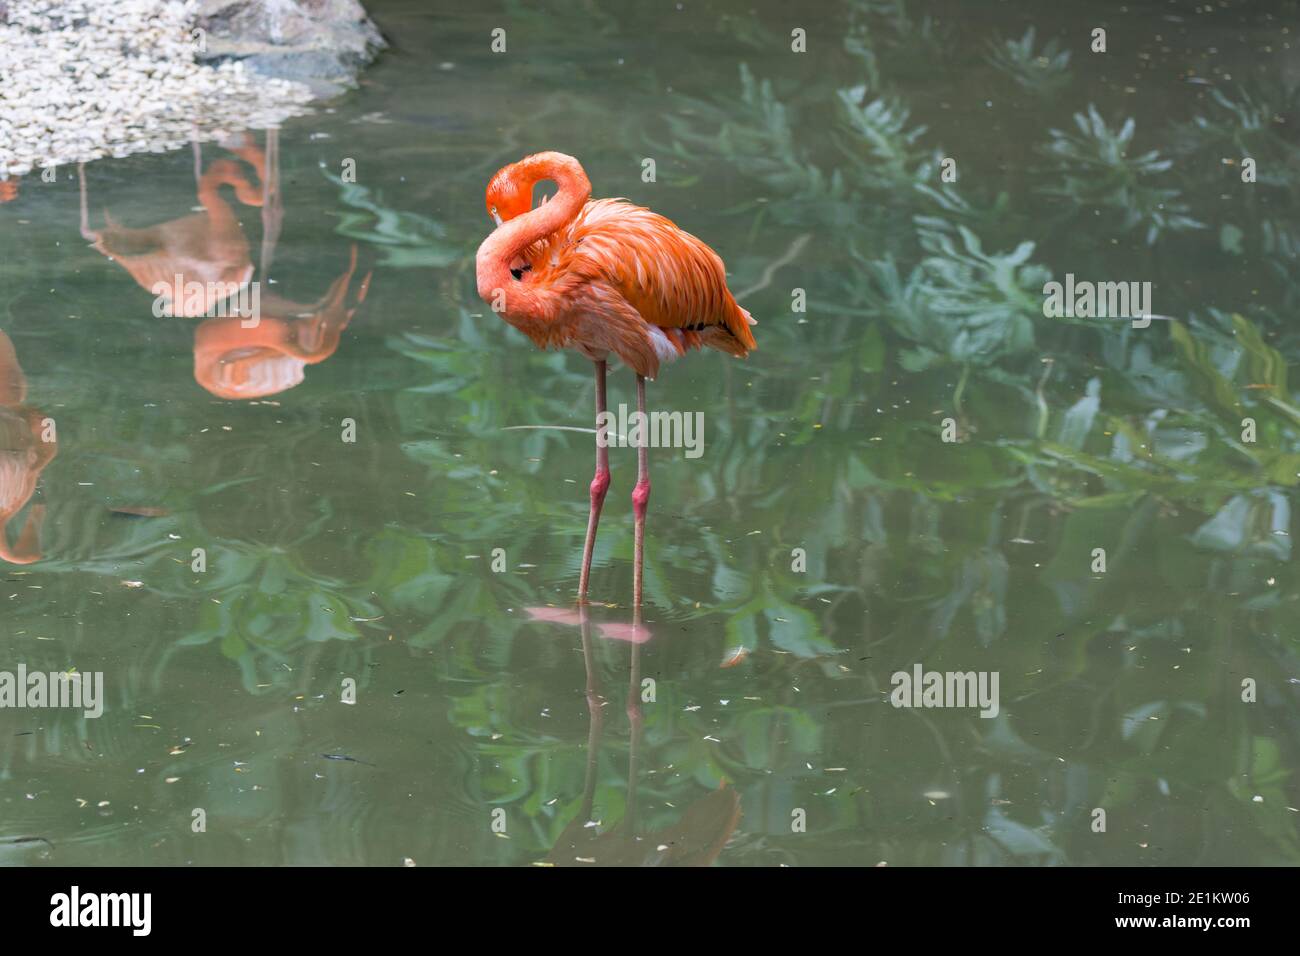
<point x="496" y="216"/>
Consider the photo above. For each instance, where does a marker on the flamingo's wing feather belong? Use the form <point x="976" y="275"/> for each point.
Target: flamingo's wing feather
<point x="670" y="277"/>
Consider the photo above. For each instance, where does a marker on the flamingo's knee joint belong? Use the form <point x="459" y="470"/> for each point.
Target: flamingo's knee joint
<point x="641" y="497"/>
<point x="599" y="485"/>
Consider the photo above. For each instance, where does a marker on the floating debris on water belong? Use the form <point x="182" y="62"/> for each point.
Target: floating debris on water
<point x="143" y="511"/>
<point x="22" y="840"/>
<point x="347" y="758"/>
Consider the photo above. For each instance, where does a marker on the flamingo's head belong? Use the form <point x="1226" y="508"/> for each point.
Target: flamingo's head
<point x="508" y="195"/>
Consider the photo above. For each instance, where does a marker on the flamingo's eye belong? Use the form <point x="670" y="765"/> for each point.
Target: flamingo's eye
<point x="496" y="216"/>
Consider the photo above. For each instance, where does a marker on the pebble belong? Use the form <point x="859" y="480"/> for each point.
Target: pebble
<point x="85" y="79"/>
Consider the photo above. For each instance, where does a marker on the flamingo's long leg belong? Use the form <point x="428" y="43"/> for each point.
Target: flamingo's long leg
<point x="599" y="485"/>
<point x="640" y="499"/>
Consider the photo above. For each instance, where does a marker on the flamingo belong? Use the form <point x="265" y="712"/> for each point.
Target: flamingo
<point x="603" y="277"/>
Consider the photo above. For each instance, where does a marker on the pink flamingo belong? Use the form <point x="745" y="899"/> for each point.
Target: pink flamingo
<point x="603" y="277"/>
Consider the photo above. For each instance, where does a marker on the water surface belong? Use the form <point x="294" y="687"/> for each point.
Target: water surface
<point x="826" y="538"/>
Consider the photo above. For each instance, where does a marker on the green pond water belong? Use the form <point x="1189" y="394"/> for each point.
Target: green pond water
<point x="827" y="537"/>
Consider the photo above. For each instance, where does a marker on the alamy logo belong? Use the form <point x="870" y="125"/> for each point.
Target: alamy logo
<point x="209" y="299"/>
<point x="41" y="689"/>
<point x="653" y="430"/>
<point x="1098" y="300"/>
<point x="103" y="909"/>
<point x="922" y="688"/>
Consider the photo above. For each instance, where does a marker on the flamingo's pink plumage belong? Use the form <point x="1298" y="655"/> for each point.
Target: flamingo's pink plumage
<point x="603" y="276"/>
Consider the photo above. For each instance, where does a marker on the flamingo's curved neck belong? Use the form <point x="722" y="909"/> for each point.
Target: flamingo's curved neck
<point x="498" y="251"/>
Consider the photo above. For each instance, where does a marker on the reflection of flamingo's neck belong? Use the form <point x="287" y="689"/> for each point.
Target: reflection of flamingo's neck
<point x="508" y="240"/>
<point x="21" y="463"/>
<point x="27" y="549"/>
<point x="13" y="384"/>
<point x="225" y="172"/>
<point x="235" y="361"/>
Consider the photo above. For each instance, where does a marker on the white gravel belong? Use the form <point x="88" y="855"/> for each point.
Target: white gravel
<point x="84" y="79"/>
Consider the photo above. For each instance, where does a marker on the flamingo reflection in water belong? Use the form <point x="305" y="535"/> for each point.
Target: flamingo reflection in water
<point x="238" y="354"/>
<point x="700" y="832"/>
<point x="27" y="444"/>
<point x="232" y="360"/>
<point x="207" y="249"/>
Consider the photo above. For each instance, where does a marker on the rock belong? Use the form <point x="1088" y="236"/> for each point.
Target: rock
<point x="86" y="79"/>
<point x="321" y="43"/>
